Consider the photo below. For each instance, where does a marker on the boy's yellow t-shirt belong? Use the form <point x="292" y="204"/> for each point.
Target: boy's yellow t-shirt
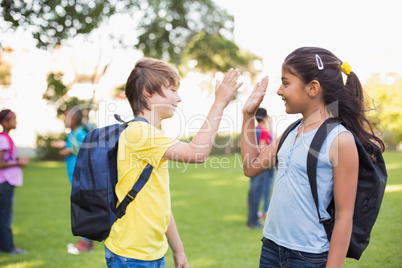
<point x="140" y="233"/>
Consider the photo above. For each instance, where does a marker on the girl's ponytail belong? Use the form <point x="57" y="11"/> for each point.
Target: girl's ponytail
<point x="353" y="84"/>
<point x="364" y="130"/>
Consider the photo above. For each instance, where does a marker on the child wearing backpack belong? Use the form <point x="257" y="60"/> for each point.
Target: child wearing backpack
<point x="69" y="150"/>
<point x="141" y="237"/>
<point x="10" y="177"/>
<point x="312" y="85"/>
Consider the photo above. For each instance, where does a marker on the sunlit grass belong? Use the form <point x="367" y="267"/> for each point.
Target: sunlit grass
<point x="393" y="188"/>
<point x="209" y="205"/>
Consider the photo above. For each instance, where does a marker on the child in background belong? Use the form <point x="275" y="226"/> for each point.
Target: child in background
<point x="10" y="177"/>
<point x="312" y="85"/>
<point x="141" y="237"/>
<point x="260" y="185"/>
<point x="69" y="149"/>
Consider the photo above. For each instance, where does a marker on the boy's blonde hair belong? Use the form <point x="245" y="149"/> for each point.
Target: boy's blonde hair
<point x="150" y="75"/>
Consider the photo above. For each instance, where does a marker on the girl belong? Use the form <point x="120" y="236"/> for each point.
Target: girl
<point x="312" y="85"/>
<point x="10" y="176"/>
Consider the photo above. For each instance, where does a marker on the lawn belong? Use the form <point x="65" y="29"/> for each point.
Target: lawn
<point x="209" y="204"/>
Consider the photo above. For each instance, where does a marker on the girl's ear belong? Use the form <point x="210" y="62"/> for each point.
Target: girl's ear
<point x="314" y="88"/>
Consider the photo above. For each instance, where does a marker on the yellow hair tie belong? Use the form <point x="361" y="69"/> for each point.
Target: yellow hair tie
<point x="345" y="67"/>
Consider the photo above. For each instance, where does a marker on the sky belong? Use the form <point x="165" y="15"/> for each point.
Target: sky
<point x="366" y="34"/>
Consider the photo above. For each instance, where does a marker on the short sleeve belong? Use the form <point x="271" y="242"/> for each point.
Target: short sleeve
<point x="77" y="139"/>
<point x="81" y="133"/>
<point x="143" y="142"/>
<point x="329" y="141"/>
<point x="4" y="144"/>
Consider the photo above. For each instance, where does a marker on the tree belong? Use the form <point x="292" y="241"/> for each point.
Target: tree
<point x="385" y="91"/>
<point x="165" y="28"/>
<point x="5" y="68"/>
<point x="52" y="21"/>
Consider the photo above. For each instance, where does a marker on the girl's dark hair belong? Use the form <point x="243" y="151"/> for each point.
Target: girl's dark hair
<point x="344" y="101"/>
<point x="3" y="114"/>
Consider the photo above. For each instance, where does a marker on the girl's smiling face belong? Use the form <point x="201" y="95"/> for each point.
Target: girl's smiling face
<point x="294" y="93"/>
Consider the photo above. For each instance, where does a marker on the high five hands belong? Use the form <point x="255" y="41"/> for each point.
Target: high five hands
<point x="226" y="89"/>
<point x="256" y="97"/>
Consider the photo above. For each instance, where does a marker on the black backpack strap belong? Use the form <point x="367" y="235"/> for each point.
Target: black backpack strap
<point x="118" y="118"/>
<point x="142" y="180"/>
<point x="312" y="157"/>
<point x="285" y="134"/>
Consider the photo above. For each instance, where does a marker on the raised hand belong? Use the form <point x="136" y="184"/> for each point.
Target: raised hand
<point x="256" y="97"/>
<point x="226" y="90"/>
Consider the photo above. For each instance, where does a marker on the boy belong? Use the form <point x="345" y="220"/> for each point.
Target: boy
<point x="69" y="150"/>
<point x="141" y="237"/>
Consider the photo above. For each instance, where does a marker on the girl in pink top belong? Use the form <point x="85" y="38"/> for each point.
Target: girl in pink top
<point x="10" y="176"/>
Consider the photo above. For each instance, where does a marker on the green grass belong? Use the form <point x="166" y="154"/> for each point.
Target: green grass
<point x="209" y="204"/>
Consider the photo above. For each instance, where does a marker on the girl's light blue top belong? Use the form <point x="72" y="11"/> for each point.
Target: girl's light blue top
<point x="292" y="220"/>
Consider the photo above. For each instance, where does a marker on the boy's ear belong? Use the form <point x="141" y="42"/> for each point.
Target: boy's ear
<point x="314" y="88"/>
<point x="146" y="93"/>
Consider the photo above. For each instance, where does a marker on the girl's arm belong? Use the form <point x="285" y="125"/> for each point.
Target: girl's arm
<point x="176" y="245"/>
<point x="345" y="161"/>
<point x="254" y="160"/>
<point x="21" y="162"/>
<point x="199" y="148"/>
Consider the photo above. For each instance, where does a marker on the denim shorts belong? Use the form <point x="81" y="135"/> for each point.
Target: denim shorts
<point x="273" y="255"/>
<point x="116" y="261"/>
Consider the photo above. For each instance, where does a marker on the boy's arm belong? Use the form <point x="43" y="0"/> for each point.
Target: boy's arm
<point x="345" y="160"/>
<point x="180" y="259"/>
<point x="198" y="149"/>
<point x="65" y="152"/>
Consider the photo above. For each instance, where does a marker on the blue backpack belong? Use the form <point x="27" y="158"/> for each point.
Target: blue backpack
<point x="93" y="197"/>
<point x="371" y="184"/>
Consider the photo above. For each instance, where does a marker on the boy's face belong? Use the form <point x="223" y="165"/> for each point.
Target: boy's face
<point x="165" y="106"/>
<point x="67" y="119"/>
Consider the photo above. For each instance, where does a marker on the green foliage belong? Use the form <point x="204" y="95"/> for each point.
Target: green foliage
<point x="224" y="144"/>
<point x="213" y="51"/>
<point x="44" y="149"/>
<point x="386" y="95"/>
<point x="391" y="140"/>
<point x="56" y="89"/>
<point x="56" y="94"/>
<point x="5" y="73"/>
<point x="168" y="26"/>
<point x="52" y="21"/>
<point x="167" y="29"/>
<point x="209" y="204"/>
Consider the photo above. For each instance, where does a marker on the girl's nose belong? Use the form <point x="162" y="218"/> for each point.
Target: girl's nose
<point x="279" y="91"/>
